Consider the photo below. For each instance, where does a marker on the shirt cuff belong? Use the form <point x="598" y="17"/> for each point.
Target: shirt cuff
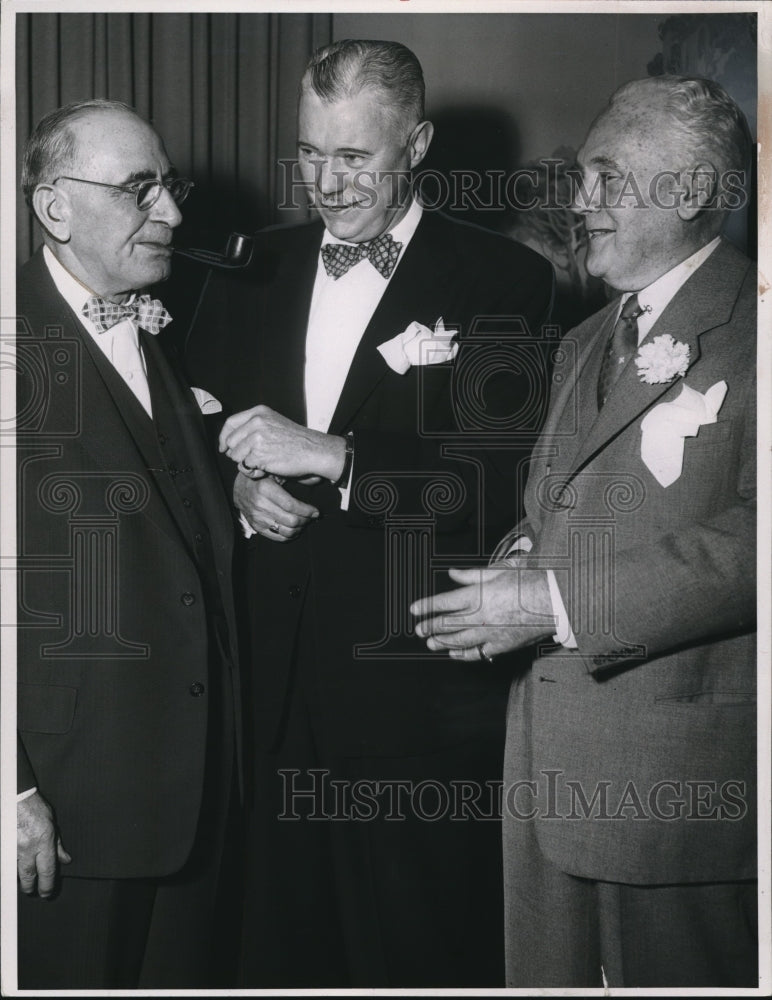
<point x="521" y="544"/>
<point x="26" y="794"/>
<point x="564" y="633"/>
<point x="345" y="491"/>
<point x="246" y="528"/>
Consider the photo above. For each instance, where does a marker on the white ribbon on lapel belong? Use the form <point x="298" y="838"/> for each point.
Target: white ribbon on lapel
<point x="418" y="345"/>
<point x="665" y="428"/>
<point x="206" y="401"/>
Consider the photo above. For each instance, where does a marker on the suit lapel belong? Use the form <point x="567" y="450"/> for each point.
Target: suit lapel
<point x="216" y="512"/>
<point x="574" y="405"/>
<point x="139" y="431"/>
<point x="704" y="302"/>
<point x="114" y="428"/>
<point x="425" y="272"/>
<point x="282" y="358"/>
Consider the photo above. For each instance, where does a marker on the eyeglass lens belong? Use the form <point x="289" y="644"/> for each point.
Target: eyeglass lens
<point x="149" y="192"/>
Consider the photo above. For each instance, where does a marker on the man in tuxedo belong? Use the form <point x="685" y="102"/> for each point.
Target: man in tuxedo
<point x="374" y="453"/>
<point x="127" y="673"/>
<point x="629" y="811"/>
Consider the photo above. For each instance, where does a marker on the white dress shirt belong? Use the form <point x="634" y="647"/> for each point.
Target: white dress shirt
<point x="120" y="344"/>
<point x="653" y="299"/>
<point x="341" y="309"/>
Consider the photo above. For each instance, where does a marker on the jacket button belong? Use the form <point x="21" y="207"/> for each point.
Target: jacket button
<point x="162" y="439"/>
<point x="199" y="537"/>
<point x="294" y="590"/>
<point x="186" y="502"/>
<point x="197" y="689"/>
<point x="188" y="599"/>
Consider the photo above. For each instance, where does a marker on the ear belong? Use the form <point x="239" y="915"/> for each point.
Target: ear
<point x="698" y="190"/>
<point x="53" y="210"/>
<point x="420" y="138"/>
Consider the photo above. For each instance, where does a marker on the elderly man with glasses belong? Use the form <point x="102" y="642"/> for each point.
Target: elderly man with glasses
<point x="127" y="673"/>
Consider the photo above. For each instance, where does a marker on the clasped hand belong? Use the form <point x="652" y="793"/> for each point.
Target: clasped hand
<point x="500" y="609"/>
<point x="267" y="442"/>
<point x="270" y="448"/>
<point x="270" y="510"/>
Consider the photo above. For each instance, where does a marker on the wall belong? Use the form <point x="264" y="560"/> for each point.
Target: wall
<point x="543" y="77"/>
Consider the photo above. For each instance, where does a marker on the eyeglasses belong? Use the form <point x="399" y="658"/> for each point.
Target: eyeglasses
<point x="146" y="193"/>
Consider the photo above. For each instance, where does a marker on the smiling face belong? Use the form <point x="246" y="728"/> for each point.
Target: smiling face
<point x="110" y="245"/>
<point x="632" y="165"/>
<point x="354" y="160"/>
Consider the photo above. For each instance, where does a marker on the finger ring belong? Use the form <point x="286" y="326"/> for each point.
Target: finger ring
<point x="483" y="654"/>
<point x="274" y="528"/>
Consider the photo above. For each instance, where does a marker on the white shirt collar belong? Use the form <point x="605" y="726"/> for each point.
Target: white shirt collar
<point x="72" y="291"/>
<point x="402" y="232"/>
<point x="656" y="296"/>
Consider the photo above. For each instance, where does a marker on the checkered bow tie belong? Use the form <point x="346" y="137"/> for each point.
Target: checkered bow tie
<point x="147" y="312"/>
<point x="382" y="252"/>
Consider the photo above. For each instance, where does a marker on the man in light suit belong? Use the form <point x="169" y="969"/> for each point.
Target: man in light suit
<point x="384" y="453"/>
<point x="127" y="673"/>
<point x="630" y="765"/>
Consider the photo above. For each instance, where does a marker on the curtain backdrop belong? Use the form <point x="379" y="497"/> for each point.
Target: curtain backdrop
<point x="220" y="88"/>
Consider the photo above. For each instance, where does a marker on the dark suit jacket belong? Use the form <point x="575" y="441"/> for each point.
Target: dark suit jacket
<point x="439" y="465"/>
<point x="662" y="688"/>
<point x="114" y="676"/>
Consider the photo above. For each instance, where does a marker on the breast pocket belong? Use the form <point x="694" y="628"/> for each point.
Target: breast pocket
<point x="46" y="708"/>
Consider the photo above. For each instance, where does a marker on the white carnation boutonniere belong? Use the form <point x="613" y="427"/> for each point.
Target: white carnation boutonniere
<point x="662" y="360"/>
<point x="418" y="345"/>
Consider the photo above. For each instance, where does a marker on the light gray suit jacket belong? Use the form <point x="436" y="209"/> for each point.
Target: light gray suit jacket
<point x="654" y="713"/>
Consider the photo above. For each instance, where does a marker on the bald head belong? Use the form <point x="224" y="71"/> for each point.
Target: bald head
<point x="83" y="166"/>
<point x="53" y="149"/>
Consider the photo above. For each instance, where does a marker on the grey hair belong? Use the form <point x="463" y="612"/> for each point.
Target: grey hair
<point x="52" y="146"/>
<point x="345" y="68"/>
<point x="710" y="123"/>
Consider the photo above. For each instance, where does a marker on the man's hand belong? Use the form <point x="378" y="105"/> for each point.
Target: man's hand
<point x="38" y="846"/>
<point x="270" y="509"/>
<point x="263" y="439"/>
<point x="498" y="610"/>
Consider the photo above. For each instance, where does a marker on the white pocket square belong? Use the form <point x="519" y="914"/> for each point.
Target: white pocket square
<point x="665" y="428"/>
<point x="418" y="345"/>
<point x="206" y="401"/>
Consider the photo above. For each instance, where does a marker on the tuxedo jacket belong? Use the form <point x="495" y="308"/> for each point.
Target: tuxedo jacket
<point x="440" y="460"/>
<point x="116" y="669"/>
<point x="656" y="709"/>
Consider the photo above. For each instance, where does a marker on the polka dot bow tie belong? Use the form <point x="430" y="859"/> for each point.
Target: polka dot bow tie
<point x="382" y="252"/>
<point x="146" y="312"/>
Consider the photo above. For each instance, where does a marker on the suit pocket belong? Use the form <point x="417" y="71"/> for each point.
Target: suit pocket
<point x="725" y="699"/>
<point x="46" y="708"/>
<point x="710" y="435"/>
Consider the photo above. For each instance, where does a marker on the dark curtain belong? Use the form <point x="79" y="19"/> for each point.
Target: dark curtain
<point x="220" y="88"/>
